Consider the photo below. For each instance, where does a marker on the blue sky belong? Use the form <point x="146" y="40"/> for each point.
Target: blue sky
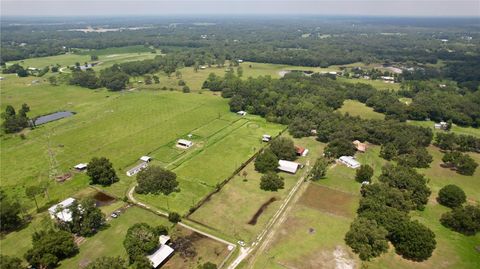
<point x="442" y="8"/>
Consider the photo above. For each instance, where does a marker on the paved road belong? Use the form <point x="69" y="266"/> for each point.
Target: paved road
<point x="244" y="252"/>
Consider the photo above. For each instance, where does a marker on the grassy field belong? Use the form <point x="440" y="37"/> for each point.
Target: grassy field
<point x="355" y="108"/>
<point x="109" y="242"/>
<point x="455" y="128"/>
<point x="312" y="234"/>
<point x="229" y="211"/>
<point x="107" y="57"/>
<point x="379" y="84"/>
<point x="329" y="215"/>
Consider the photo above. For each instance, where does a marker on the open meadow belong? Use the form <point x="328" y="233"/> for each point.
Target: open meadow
<point x="355" y="108"/>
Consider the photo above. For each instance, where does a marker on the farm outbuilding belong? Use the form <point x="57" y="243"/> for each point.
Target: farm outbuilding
<point x="301" y="151"/>
<point x="288" y="166"/>
<point x="242" y="113"/>
<point x="81" y="166"/>
<point x="349" y="161"/>
<point x="61" y="211"/>
<point x="162" y="253"/>
<point x="266" y="138"/>
<point x="183" y="143"/>
<point x="362" y="147"/>
<point x="146" y="158"/>
<point x="137" y="169"/>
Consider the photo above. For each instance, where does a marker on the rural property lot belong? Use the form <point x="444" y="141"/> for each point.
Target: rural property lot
<point x="230" y="211"/>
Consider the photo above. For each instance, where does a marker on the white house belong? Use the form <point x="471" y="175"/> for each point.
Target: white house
<point x="183" y="143"/>
<point x="442" y="125"/>
<point x="146" y="158"/>
<point x="81" y="166"/>
<point x="349" y="161"/>
<point x="240" y="61"/>
<point x="162" y="253"/>
<point x="137" y="169"/>
<point x="242" y="113"/>
<point x="288" y="166"/>
<point x="61" y="211"/>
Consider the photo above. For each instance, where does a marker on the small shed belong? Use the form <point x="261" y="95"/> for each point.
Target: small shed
<point x="61" y="211"/>
<point x="160" y="256"/>
<point x="266" y="138"/>
<point x="242" y="113"/>
<point x="183" y="143"/>
<point x="81" y="166"/>
<point x="349" y="161"/>
<point x="362" y="147"/>
<point x="146" y="158"/>
<point x="137" y="169"/>
<point x="288" y="166"/>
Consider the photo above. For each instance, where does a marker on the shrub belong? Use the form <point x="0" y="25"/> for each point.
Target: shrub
<point x="271" y="182"/>
<point x="451" y="196"/>
<point x="465" y="220"/>
<point x="284" y="148"/>
<point x="364" y="173"/>
<point x="155" y="179"/>
<point x="266" y="161"/>
<point x="319" y="169"/>
<point x="413" y="241"/>
<point x="100" y="171"/>
<point x="174" y="217"/>
<point x="367" y="238"/>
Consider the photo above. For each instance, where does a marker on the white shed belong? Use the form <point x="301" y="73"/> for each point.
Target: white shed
<point x="160" y="255"/>
<point x="242" y="113"/>
<point x="349" y="161"/>
<point x="183" y="143"/>
<point x="146" y="158"/>
<point x="288" y="166"/>
<point x="137" y="169"/>
<point x="81" y="166"/>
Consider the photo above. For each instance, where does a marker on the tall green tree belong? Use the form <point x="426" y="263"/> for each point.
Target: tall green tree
<point x="101" y="171"/>
<point x="155" y="179"/>
<point x="319" y="169"/>
<point x="139" y="241"/>
<point x="9" y="213"/>
<point x="367" y="238"/>
<point x="284" y="148"/>
<point x="364" y="173"/>
<point x="340" y="147"/>
<point x="413" y="241"/>
<point x="465" y="220"/>
<point x="271" y="182"/>
<point x="266" y="161"/>
<point x="451" y="196"/>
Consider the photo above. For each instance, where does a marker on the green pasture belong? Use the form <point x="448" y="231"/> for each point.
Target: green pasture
<point x="229" y="211"/>
<point x="455" y="128"/>
<point x="355" y="108"/>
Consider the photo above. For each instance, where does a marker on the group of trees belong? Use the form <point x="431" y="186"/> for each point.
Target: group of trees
<point x="459" y="142"/>
<point x="155" y="180"/>
<point x="281" y="148"/>
<point x="462" y="163"/>
<point x="15" y="69"/>
<point x="86" y="218"/>
<point x="462" y="219"/>
<point x="112" y="78"/>
<point x="142" y="240"/>
<point x="15" y="122"/>
<point x="383" y="216"/>
<point x="49" y="247"/>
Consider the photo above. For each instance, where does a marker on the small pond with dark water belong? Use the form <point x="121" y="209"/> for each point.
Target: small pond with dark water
<point x="102" y="199"/>
<point x="53" y="117"/>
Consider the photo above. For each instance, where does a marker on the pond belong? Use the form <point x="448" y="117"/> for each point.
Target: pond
<point x="53" y="117"/>
<point x="102" y="199"/>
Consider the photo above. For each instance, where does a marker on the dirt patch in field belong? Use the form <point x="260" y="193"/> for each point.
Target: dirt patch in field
<point x="338" y="258"/>
<point x="262" y="208"/>
<point x="329" y="200"/>
<point x="102" y="199"/>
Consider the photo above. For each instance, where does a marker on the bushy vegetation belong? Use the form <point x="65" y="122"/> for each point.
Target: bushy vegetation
<point x="107" y="262"/>
<point x="271" y="182"/>
<point x="367" y="238"/>
<point x="86" y="218"/>
<point x="155" y="179"/>
<point x="451" y="196"/>
<point x="283" y="148"/>
<point x="266" y="161"/>
<point x="364" y="173"/>
<point x="413" y="240"/>
<point x="50" y="247"/>
<point x="14" y="122"/>
<point x="101" y="171"/>
<point x="462" y="163"/>
<point x="140" y="240"/>
<point x="319" y="169"/>
<point x="9" y="213"/>
<point x="465" y="220"/>
<point x="456" y="142"/>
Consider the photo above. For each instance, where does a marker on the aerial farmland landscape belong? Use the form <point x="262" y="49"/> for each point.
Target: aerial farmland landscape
<point x="230" y="134"/>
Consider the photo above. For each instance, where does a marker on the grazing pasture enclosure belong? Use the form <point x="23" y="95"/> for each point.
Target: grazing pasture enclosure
<point x="229" y="211"/>
<point x="123" y="126"/>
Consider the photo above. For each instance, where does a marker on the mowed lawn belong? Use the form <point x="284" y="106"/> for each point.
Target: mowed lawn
<point x="221" y="152"/>
<point x="109" y="242"/>
<point x="120" y="126"/>
<point x="355" y="108"/>
<point x="229" y="211"/>
<point x="455" y="128"/>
